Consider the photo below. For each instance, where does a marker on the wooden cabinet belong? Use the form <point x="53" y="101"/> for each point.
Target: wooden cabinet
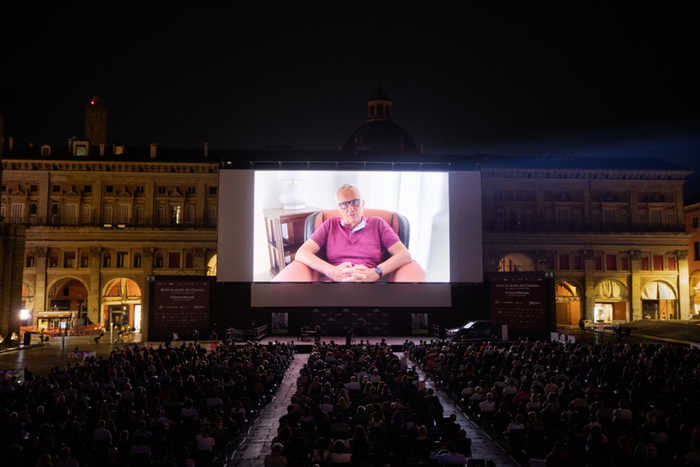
<point x="285" y="234"/>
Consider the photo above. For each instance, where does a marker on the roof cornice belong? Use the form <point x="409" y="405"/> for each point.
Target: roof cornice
<point x="107" y="166"/>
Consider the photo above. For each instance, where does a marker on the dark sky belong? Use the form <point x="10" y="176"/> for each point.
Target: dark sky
<point x="513" y="80"/>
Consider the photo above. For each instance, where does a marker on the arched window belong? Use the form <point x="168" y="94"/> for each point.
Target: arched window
<point x="189" y="261"/>
<point x="190" y="215"/>
<point x="643" y="218"/>
<point x="55" y="218"/>
<point x="107" y="260"/>
<point x="499" y="219"/>
<point x="514" y="219"/>
<point x="87" y="214"/>
<point x="595" y="217"/>
<point x="670" y="219"/>
<point x="578" y="220"/>
<point x="32" y="214"/>
<point x="158" y="261"/>
<point x="108" y="214"/>
<point x="137" y="260"/>
<point x="2" y="210"/>
<point x="548" y="219"/>
<point x="138" y="215"/>
<point x="161" y="215"/>
<point x="211" y="216"/>
<point x="624" y="218"/>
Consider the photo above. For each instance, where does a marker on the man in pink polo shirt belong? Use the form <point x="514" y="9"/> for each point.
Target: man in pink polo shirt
<point x="354" y="244"/>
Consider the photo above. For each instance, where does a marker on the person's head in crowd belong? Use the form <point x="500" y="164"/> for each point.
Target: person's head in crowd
<point x="45" y="461"/>
<point x="359" y="435"/>
<point x="339" y="447"/>
<point x="277" y="449"/>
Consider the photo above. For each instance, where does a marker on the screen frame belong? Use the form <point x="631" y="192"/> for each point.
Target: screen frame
<point x="235" y="264"/>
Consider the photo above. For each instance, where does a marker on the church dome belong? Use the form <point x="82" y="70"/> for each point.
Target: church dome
<point x="379" y="134"/>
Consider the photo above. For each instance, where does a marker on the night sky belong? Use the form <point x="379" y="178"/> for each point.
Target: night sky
<point x="515" y="80"/>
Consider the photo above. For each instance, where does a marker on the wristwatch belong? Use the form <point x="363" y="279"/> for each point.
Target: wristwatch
<point x="378" y="270"/>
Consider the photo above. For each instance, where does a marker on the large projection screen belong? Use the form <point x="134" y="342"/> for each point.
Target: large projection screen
<point x="442" y="208"/>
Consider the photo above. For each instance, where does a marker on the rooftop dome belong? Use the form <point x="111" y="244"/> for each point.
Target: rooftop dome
<point x="379" y="133"/>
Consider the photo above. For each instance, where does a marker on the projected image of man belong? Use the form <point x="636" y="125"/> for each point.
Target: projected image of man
<point x="354" y="244"/>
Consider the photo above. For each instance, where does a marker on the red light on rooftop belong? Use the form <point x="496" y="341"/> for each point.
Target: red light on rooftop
<point x="92" y="102"/>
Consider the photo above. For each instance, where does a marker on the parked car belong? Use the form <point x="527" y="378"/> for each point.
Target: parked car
<point x="478" y="329"/>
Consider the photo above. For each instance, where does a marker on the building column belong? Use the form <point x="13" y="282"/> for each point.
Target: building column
<point x="683" y="284"/>
<point x="635" y="285"/>
<point x="200" y="261"/>
<point x="19" y="240"/>
<point x="42" y="255"/>
<point x="12" y="240"/>
<point x="589" y="284"/>
<point x="147" y="264"/>
<point x="94" y="305"/>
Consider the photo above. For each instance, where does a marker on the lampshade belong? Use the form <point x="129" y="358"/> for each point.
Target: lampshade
<point x="293" y="196"/>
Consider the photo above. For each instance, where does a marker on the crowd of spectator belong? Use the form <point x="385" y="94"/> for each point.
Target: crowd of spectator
<point x="550" y="403"/>
<point x="559" y="404"/>
<point x="162" y="406"/>
<point x="364" y="405"/>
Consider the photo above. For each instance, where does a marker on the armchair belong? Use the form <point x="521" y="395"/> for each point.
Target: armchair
<point x="299" y="272"/>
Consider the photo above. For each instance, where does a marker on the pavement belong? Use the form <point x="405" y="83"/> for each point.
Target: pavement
<point x="676" y="331"/>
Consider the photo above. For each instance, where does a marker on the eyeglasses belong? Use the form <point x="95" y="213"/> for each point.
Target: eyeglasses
<point x="344" y="205"/>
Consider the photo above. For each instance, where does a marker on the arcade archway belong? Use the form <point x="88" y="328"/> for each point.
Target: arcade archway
<point x="515" y="262"/>
<point x="695" y="293"/>
<point x="659" y="301"/>
<point x="211" y="266"/>
<point x="611" y="301"/>
<point x="67" y="305"/>
<point x="568" y="302"/>
<point x="121" y="304"/>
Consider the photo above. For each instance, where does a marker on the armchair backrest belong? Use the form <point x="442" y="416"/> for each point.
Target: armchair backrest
<point x="396" y="221"/>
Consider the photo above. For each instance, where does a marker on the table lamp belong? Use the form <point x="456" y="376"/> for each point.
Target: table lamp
<point x="293" y="196"/>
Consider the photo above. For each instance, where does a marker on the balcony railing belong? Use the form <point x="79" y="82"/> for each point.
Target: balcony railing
<point x="63" y="221"/>
<point x="554" y="227"/>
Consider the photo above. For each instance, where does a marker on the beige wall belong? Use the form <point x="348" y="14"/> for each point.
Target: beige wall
<point x="147" y="185"/>
<point x="548" y="237"/>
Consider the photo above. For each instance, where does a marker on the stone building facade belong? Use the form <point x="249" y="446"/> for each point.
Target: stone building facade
<point x="611" y="230"/>
<point x="98" y="225"/>
<point x="692" y="222"/>
<point x="12" y="240"/>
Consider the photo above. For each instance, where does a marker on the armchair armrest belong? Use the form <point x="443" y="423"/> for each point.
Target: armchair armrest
<point x="411" y="272"/>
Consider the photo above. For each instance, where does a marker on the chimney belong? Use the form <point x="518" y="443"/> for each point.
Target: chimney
<point x="102" y="149"/>
<point x="153" y="150"/>
<point x="206" y="149"/>
<point x="10" y="144"/>
<point x="70" y="144"/>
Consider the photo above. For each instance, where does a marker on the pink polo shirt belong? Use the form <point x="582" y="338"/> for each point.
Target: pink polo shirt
<point x="364" y="246"/>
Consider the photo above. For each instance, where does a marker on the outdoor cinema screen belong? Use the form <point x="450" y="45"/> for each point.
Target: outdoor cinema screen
<point x="266" y="217"/>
